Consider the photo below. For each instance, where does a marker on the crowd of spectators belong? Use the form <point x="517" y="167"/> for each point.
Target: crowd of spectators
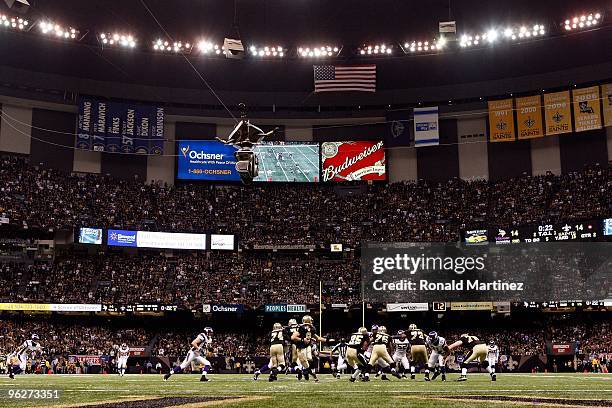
<point x="299" y="214"/>
<point x="186" y="280"/>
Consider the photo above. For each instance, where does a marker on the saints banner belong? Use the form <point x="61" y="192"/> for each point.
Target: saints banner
<point x="108" y="126"/>
<point x="501" y="121"/>
<point x="587" y="112"/>
<point x="398" y="129"/>
<point x="557" y="113"/>
<point x="606" y="95"/>
<point x="529" y="117"/>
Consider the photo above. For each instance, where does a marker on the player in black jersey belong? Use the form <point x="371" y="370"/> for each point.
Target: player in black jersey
<point x="277" y="355"/>
<point x="291" y="352"/>
<point x="304" y="337"/>
<point x="357" y="345"/>
<point x="478" y="352"/>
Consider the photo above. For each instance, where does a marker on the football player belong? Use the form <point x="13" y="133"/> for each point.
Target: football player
<point x="439" y="350"/>
<point x="277" y="354"/>
<point x="18" y="360"/>
<point x="418" y="351"/>
<point x="492" y="355"/>
<point x="292" y="327"/>
<point x="400" y="357"/>
<point x="303" y="338"/>
<point x="355" y="356"/>
<point x="122" y="357"/>
<point x="380" y="354"/>
<point x="341" y="349"/>
<point x="201" y="344"/>
<point x="478" y="352"/>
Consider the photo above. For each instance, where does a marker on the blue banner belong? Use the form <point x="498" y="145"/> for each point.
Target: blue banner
<point x="113" y="126"/>
<point x="206" y="160"/>
<point x="99" y="126"/>
<point x="398" y="129"/>
<point x="156" y="143"/>
<point x="128" y="129"/>
<point x="144" y="116"/>
<point x="121" y="238"/>
<point x="116" y="126"/>
<point x="84" y="128"/>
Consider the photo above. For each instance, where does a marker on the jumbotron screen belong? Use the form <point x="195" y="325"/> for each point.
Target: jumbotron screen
<point x="353" y="161"/>
<point x="288" y="162"/>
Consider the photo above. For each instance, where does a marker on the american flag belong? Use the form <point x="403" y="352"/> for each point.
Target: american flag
<point x="333" y="78"/>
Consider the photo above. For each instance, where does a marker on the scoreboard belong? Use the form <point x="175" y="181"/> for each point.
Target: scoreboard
<point x="591" y="230"/>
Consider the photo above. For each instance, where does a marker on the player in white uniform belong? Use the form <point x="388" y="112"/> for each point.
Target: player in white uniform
<point x="18" y="360"/>
<point x="492" y="355"/>
<point x="400" y="356"/>
<point x="199" y="346"/>
<point x="122" y="357"/>
<point x="439" y="349"/>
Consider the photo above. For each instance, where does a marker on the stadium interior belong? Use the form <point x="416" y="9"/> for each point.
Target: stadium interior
<point x="127" y="218"/>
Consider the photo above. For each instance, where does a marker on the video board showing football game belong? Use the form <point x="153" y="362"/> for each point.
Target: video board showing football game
<point x="288" y="162"/>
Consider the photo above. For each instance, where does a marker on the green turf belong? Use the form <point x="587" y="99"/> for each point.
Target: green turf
<point x="329" y="392"/>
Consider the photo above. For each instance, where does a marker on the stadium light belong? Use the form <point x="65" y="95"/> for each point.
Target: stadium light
<point x="582" y="22"/>
<point x="318" y="52"/>
<point x="376" y="49"/>
<point x="267" y="52"/>
<point x="207" y="47"/>
<point x="15" y="23"/>
<point x="56" y="30"/>
<point x="493" y="35"/>
<point x="175" y="47"/>
<point x="424" y="46"/>
<point x="115" y="39"/>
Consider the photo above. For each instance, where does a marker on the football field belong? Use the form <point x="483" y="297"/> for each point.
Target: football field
<point x="149" y="391"/>
<point x="288" y="162"/>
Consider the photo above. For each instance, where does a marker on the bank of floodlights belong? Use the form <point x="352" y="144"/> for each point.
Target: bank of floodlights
<point x="209" y="48"/>
<point x="415" y="47"/>
<point x="582" y="22"/>
<point x="267" y="51"/>
<point x="14" y="23"/>
<point x="118" y="40"/>
<point x="318" y="52"/>
<point x="375" y="50"/>
<point x="52" y="29"/>
<point x="174" y="47"/>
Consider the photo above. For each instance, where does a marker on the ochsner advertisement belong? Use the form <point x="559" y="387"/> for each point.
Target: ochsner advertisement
<point x="206" y="160"/>
<point x="353" y="161"/>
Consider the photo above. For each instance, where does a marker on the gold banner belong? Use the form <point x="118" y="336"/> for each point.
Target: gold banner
<point x="471" y="306"/>
<point x="501" y="121"/>
<point x="606" y="95"/>
<point x="26" y="306"/>
<point x="557" y="113"/>
<point x="587" y="112"/>
<point x="529" y="117"/>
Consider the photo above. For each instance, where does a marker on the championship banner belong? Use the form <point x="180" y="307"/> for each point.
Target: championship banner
<point x="606" y="94"/>
<point x="501" y="121"/>
<point x="557" y="113"/>
<point x="353" y="161"/>
<point x="587" y="113"/>
<point x="107" y="126"/>
<point x="426" y="129"/>
<point x="529" y="117"/>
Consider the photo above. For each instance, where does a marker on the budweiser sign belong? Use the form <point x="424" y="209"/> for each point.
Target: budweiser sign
<point x="353" y="161"/>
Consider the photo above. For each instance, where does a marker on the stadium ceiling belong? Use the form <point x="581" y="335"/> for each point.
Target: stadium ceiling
<point x="346" y="22"/>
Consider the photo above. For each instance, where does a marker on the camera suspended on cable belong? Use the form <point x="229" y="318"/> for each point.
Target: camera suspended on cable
<point x="244" y="137"/>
